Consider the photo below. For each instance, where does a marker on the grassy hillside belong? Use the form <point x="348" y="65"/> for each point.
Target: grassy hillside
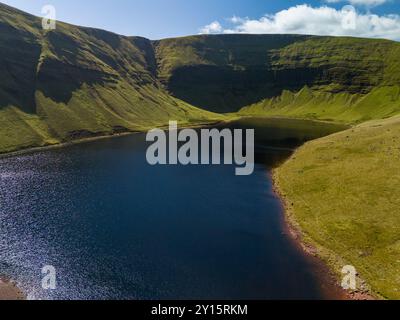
<point x="342" y="191"/>
<point x="380" y="102"/>
<point x="220" y="72"/>
<point x="224" y="73"/>
<point x="77" y="82"/>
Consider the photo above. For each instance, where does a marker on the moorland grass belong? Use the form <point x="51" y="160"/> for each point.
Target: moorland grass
<point x="342" y="191"/>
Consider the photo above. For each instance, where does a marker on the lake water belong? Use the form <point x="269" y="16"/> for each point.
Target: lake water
<point x="115" y="227"/>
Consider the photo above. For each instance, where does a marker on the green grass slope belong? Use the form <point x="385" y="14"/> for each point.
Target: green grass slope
<point x="76" y="82"/>
<point x="342" y="191"/>
<point x="381" y="102"/>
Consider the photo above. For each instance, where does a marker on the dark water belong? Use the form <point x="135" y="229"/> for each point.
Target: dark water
<point x="115" y="227"/>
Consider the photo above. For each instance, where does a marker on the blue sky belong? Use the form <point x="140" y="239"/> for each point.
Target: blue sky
<point x="157" y="19"/>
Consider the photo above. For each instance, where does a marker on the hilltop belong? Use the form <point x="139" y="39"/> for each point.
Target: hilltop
<point x="76" y="82"/>
<point x="343" y="78"/>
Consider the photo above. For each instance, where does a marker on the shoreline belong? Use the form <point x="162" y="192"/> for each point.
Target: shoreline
<point x="229" y="118"/>
<point x="9" y="291"/>
<point x="326" y="263"/>
<point x="29" y="150"/>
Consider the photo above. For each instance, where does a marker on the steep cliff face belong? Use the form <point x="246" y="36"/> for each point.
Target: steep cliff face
<point x="224" y="73"/>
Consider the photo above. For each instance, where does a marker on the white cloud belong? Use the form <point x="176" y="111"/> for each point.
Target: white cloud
<point x="304" y="19"/>
<point x="236" y="19"/>
<point x="213" y="27"/>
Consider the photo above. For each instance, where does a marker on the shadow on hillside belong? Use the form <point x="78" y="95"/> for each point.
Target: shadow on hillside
<point x="57" y="78"/>
<point x="223" y="89"/>
<point x="63" y="73"/>
<point x="58" y="81"/>
<point x="19" y="56"/>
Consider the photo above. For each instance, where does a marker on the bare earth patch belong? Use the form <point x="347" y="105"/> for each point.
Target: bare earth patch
<point x="9" y="291"/>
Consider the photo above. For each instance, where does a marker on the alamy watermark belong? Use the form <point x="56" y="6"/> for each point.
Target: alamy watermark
<point x="349" y="18"/>
<point x="49" y="280"/>
<point x="205" y="147"/>
<point x="49" y="19"/>
<point x="349" y="280"/>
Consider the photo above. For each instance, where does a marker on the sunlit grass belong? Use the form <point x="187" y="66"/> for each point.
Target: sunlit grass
<point x="343" y="191"/>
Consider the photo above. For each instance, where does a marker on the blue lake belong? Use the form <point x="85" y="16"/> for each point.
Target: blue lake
<point x="115" y="227"/>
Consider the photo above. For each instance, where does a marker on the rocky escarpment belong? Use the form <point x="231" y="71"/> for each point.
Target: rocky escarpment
<point x="224" y="73"/>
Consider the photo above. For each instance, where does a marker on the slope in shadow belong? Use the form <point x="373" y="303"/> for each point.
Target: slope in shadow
<point x="58" y="81"/>
<point x="19" y="56"/>
<point x="223" y="89"/>
<point x="224" y="73"/>
<point x="59" y="78"/>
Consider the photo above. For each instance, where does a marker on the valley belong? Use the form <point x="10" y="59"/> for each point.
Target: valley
<point x="340" y="191"/>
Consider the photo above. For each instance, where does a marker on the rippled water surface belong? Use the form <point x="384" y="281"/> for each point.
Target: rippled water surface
<point x="115" y="227"/>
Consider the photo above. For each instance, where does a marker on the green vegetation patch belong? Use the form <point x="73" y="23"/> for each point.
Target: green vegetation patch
<point x="343" y="191"/>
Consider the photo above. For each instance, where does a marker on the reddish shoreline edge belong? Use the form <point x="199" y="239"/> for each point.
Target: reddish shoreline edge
<point x="9" y="291"/>
<point x="330" y="283"/>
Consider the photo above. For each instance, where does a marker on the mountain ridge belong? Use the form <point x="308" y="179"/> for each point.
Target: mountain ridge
<point x="247" y="69"/>
<point x="76" y="82"/>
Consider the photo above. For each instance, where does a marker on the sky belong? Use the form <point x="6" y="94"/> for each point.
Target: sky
<point x="157" y="19"/>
